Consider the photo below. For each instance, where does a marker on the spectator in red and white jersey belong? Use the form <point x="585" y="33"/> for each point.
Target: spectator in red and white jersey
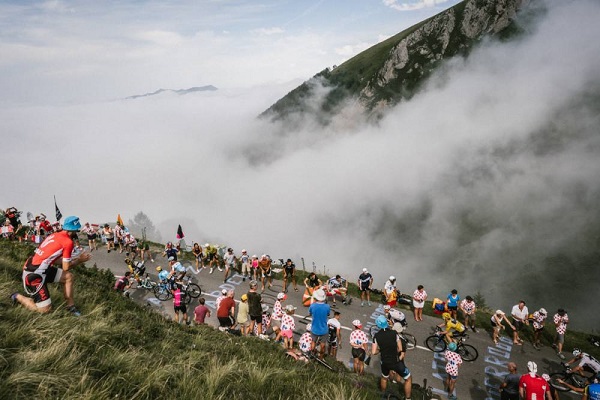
<point x="468" y="308"/>
<point x="561" y="320"/>
<point x="419" y="297"/>
<point x="359" y="342"/>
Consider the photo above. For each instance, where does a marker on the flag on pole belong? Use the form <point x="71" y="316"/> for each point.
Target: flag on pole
<point x="58" y="213"/>
<point x="180" y="234"/>
<point x="119" y="220"/>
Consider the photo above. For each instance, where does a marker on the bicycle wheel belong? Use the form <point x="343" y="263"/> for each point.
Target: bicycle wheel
<point x="411" y="341"/>
<point x="435" y="343"/>
<point x="467" y="352"/>
<point x="193" y="290"/>
<point x="554" y="381"/>
<point x="162" y="293"/>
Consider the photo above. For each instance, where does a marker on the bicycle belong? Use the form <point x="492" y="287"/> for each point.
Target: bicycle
<point x="437" y="343"/>
<point x="407" y="338"/>
<point x="145" y="283"/>
<point x="191" y="290"/>
<point x="557" y="379"/>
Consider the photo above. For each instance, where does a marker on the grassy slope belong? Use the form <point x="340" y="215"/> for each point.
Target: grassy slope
<point x="118" y="349"/>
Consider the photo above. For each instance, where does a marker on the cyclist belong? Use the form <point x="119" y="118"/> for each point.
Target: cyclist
<point x="586" y="363"/>
<point x="592" y="392"/>
<point x="163" y="275"/>
<point x="451" y="327"/>
<point x="453" y="361"/>
<point x="40" y="269"/>
<point x="365" y="281"/>
<point x="137" y="268"/>
<point x="289" y="275"/>
<point x="396" y="318"/>
<point x="359" y="342"/>
<point x="177" y="271"/>
<point x="338" y="286"/>
<point x="389" y="344"/>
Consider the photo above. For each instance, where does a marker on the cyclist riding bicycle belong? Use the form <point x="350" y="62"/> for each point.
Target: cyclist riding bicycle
<point x="178" y="271"/>
<point x="586" y="363"/>
<point x="163" y="275"/>
<point x="451" y="327"/>
<point x="137" y="268"/>
<point x="396" y="318"/>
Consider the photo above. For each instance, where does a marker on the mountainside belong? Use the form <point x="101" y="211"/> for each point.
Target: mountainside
<point x="176" y="91"/>
<point x="394" y="69"/>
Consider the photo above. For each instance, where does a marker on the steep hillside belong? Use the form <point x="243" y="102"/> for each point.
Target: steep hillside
<point x="394" y="69"/>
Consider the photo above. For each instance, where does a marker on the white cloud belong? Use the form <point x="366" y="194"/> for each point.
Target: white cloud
<point x="413" y="5"/>
<point x="268" y="31"/>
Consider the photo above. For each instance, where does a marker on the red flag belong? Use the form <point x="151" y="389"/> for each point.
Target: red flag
<point x="180" y="234"/>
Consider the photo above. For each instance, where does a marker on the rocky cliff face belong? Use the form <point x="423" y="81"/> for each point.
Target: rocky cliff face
<point x="392" y="71"/>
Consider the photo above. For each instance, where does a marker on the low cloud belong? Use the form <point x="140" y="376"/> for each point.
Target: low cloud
<point x="413" y="5"/>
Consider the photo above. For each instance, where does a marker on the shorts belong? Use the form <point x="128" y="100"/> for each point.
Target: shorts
<point x="210" y="256"/>
<point x="453" y="377"/>
<point x="452" y="308"/>
<point x="560" y="338"/>
<point x="288" y="333"/>
<point x="399" y="368"/>
<point x="333" y="343"/>
<point x="91" y="237"/>
<point x="518" y="325"/>
<point x="245" y="267"/>
<point x="418" y="304"/>
<point x="359" y="352"/>
<point x="364" y="289"/>
<point x="225" y="322"/>
<point x="288" y="272"/>
<point x="36" y="284"/>
<point x="145" y="247"/>
<point x="319" y="338"/>
<point x="182" y="308"/>
<point x="256" y="318"/>
<point x="539" y="329"/>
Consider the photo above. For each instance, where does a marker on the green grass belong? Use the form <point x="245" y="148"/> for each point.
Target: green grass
<point x="119" y="349"/>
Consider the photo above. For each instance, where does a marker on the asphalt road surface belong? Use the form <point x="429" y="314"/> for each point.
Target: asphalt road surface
<point x="477" y="380"/>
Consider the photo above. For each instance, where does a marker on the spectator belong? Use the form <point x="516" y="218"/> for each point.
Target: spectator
<point x="119" y="232"/>
<point x="110" y="237"/>
<point x="277" y="315"/>
<point x="419" y="297"/>
<point x="91" y="234"/>
<point x="312" y="281"/>
<point x="266" y="274"/>
<point x="496" y="321"/>
<point x="211" y="256"/>
<point x="179" y="305"/>
<point x="509" y="388"/>
<point x="452" y="303"/>
<point x="359" y="343"/>
<point x="319" y="311"/>
<point x="170" y="251"/>
<point x="131" y="246"/>
<point x="539" y="320"/>
<point x="243" y="318"/>
<point x="468" y="308"/>
<point x="254" y="307"/>
<point x="520" y="315"/>
<point x="390" y="291"/>
<point x="365" y="282"/>
<point x="305" y="341"/>
<point x="144" y="248"/>
<point x="122" y="285"/>
<point x="387" y="342"/>
<point x="287" y="327"/>
<point x="335" y="334"/>
<point x="289" y="275"/>
<point x="254" y="265"/>
<point x="561" y="320"/>
<point x="201" y="312"/>
<point x="533" y="386"/>
<point x="226" y="312"/>
<point x="197" y="252"/>
<point x="246" y="265"/>
<point x="230" y="260"/>
<point x="453" y="362"/>
<point x="220" y="298"/>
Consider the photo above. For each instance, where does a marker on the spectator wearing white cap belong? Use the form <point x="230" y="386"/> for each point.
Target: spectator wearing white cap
<point x="365" y="281"/>
<point x="277" y="315"/>
<point x="220" y="298"/>
<point x="319" y="310"/>
<point x="359" y="342"/>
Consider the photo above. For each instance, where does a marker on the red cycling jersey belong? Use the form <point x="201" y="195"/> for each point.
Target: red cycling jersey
<point x="535" y="387"/>
<point x="56" y="245"/>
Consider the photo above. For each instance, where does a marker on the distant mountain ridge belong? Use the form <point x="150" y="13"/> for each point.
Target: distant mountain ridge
<point x="207" y="88"/>
<point x="393" y="70"/>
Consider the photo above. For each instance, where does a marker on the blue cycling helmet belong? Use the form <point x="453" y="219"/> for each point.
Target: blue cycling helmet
<point x="72" y="224"/>
<point x="452" y="346"/>
<point x="381" y="322"/>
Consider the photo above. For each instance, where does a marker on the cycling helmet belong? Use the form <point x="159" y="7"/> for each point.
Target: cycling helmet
<point x="532" y="367"/>
<point x="543" y="311"/>
<point x="357" y="323"/>
<point x="387" y="307"/>
<point x="546" y="377"/>
<point x="452" y="346"/>
<point x="446" y="316"/>
<point x="72" y="224"/>
<point x="392" y="278"/>
<point x="224" y="292"/>
<point x="576" y="351"/>
<point x="381" y="322"/>
<point x="159" y="268"/>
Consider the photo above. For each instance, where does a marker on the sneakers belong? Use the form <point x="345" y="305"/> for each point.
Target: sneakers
<point x="211" y="270"/>
<point x="362" y="303"/>
<point x="369" y="304"/>
<point x="73" y="310"/>
<point x="473" y="329"/>
<point x="13" y="298"/>
<point x="561" y="356"/>
<point x="220" y="269"/>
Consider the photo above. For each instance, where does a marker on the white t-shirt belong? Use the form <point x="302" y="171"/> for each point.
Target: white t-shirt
<point x="520" y="314"/>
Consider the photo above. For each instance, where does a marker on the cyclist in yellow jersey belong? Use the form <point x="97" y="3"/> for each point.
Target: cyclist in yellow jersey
<point x="450" y="326"/>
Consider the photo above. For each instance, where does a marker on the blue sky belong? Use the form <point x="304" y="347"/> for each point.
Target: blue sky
<point x="69" y="51"/>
